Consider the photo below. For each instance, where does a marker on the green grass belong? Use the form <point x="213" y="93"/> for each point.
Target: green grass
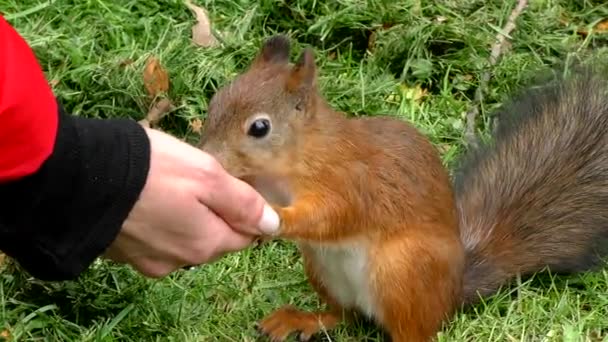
<point x="84" y="47"/>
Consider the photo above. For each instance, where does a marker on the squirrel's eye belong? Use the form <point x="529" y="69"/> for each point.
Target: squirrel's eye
<point x="259" y="128"/>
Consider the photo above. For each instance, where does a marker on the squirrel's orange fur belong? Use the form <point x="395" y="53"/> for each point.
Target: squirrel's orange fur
<point x="370" y="204"/>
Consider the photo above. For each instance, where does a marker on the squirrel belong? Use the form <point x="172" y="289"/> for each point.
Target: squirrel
<point x="384" y="230"/>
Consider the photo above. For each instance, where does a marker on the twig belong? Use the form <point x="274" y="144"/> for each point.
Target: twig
<point x="497" y="49"/>
<point x="156" y="112"/>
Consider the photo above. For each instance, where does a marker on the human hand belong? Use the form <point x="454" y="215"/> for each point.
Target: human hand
<point x="190" y="212"/>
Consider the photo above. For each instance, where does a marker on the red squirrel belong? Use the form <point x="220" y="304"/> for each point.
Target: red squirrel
<point x="383" y="229"/>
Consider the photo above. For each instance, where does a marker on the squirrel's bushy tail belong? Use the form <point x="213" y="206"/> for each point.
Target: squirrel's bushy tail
<point x="537" y="195"/>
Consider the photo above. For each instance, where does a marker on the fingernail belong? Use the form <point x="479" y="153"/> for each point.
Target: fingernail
<point x="269" y="223"/>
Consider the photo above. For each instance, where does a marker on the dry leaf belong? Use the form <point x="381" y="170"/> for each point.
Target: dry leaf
<point x="156" y="79"/>
<point x="196" y="125"/>
<point x="5" y="335"/>
<point x="201" y="31"/>
<point x="157" y="112"/>
<point x="54" y="83"/>
<point x="415" y="93"/>
<point x="602" y="26"/>
<point x="2" y="259"/>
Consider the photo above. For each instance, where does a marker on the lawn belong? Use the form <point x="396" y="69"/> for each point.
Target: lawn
<point x="420" y="60"/>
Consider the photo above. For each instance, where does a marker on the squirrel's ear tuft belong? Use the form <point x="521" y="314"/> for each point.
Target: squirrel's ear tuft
<point x="303" y="75"/>
<point x="275" y="51"/>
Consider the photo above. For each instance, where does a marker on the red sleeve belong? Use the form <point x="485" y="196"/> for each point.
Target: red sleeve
<point x="28" y="109"/>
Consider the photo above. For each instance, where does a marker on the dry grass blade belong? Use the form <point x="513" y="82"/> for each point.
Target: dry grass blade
<point x="201" y="31"/>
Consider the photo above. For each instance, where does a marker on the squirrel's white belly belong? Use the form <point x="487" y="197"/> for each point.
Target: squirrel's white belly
<point x="343" y="271"/>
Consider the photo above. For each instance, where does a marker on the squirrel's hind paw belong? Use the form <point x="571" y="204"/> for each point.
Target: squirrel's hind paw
<point x="287" y="320"/>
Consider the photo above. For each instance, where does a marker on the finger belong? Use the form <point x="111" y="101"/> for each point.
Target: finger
<point x="154" y="268"/>
<point x="227" y="240"/>
<point x="208" y="239"/>
<point x="232" y="244"/>
<point x="240" y="206"/>
<point x="234" y="241"/>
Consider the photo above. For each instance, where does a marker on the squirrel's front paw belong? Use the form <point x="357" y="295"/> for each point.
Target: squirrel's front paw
<point x="286" y="225"/>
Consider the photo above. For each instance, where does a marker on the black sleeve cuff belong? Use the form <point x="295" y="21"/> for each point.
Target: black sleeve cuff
<point x="56" y="222"/>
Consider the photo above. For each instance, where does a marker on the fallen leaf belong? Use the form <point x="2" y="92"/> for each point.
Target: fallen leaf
<point x="156" y="79"/>
<point x="201" y="31"/>
<point x="54" y="83"/>
<point x="196" y="125"/>
<point x="415" y="93"/>
<point x="5" y="335"/>
<point x="602" y="26"/>
<point x="157" y="112"/>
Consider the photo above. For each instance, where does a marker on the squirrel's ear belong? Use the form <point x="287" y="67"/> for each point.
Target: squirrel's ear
<point x="275" y="51"/>
<point x="303" y="76"/>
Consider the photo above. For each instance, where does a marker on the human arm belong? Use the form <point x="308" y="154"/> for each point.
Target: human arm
<point x="71" y="187"/>
<point x="66" y="182"/>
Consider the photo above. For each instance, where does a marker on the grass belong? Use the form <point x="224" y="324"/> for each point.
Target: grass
<point x="94" y="52"/>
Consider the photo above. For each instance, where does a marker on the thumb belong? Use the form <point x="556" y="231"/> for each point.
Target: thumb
<point x="241" y="206"/>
